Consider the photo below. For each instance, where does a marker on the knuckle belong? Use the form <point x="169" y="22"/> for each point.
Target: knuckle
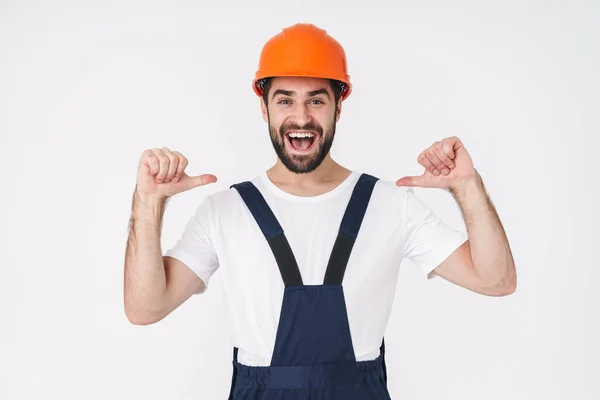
<point x="148" y="155"/>
<point x="178" y="155"/>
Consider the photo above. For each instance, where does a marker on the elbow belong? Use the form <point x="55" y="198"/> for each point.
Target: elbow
<point x="506" y="290"/>
<point x="139" y="319"/>
<point x="512" y="286"/>
<point x="506" y="286"/>
<point x="139" y="316"/>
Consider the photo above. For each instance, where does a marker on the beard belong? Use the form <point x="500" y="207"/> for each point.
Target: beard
<point x="302" y="164"/>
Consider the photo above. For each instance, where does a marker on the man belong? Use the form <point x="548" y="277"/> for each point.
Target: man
<point x="309" y="250"/>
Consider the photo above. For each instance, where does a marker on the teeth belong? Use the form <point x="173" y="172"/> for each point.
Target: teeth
<point x="301" y="135"/>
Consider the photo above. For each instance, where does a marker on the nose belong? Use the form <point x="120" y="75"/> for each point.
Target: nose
<point x="301" y="114"/>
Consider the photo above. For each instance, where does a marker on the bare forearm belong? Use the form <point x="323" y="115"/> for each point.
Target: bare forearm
<point x="490" y="250"/>
<point x="145" y="280"/>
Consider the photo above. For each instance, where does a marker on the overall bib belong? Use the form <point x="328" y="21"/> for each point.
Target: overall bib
<point x="313" y="357"/>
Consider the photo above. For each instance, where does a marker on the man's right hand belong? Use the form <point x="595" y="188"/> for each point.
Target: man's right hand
<point x="161" y="174"/>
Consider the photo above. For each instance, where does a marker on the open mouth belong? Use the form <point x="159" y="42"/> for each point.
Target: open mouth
<point x="301" y="142"/>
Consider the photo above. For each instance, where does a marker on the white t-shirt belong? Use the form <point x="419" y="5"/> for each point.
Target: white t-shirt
<point x="223" y="234"/>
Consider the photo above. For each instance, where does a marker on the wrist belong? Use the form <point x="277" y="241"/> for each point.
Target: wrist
<point x="467" y="187"/>
<point x="148" y="204"/>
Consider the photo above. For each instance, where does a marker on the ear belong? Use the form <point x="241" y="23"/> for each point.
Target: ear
<point x="264" y="111"/>
<point x="338" y="111"/>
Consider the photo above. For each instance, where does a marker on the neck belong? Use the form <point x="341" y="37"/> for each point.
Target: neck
<point x="323" y="179"/>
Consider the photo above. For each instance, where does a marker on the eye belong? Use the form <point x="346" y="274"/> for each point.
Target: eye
<point x="317" y="101"/>
<point x="283" y="101"/>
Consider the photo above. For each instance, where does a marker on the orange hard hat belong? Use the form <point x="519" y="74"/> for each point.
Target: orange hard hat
<point x="303" y="50"/>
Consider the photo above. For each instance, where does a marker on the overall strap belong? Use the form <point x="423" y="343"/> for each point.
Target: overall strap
<point x="353" y="217"/>
<point x="273" y="232"/>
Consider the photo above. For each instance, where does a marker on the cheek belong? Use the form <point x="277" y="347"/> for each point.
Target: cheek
<point x="325" y="121"/>
<point x="274" y="117"/>
<point x="275" y="126"/>
<point x="276" y="123"/>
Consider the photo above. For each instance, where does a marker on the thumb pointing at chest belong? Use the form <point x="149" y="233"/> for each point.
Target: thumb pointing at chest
<point x="190" y="182"/>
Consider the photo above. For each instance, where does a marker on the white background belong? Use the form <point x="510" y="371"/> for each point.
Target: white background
<point x="85" y="88"/>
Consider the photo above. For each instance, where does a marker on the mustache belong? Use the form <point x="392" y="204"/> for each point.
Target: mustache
<point x="295" y="127"/>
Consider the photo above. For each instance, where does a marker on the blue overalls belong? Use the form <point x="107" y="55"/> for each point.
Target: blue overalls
<point x="313" y="357"/>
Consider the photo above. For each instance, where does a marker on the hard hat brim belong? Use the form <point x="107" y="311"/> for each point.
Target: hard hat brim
<point x="259" y="90"/>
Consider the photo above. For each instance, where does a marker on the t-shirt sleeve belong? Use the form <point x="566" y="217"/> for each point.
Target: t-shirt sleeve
<point x="195" y="247"/>
<point x="428" y="240"/>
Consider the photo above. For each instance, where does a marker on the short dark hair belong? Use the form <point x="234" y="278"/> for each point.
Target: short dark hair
<point x="336" y="86"/>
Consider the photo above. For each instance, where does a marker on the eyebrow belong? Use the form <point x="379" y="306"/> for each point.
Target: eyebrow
<point x="291" y="92"/>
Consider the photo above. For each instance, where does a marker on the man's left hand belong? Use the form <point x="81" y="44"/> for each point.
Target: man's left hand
<point x="447" y="164"/>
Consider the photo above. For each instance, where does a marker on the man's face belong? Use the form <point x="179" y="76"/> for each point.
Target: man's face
<point x="302" y="115"/>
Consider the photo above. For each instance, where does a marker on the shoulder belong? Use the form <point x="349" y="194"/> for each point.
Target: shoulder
<point x="226" y="200"/>
<point x="387" y="191"/>
<point x="387" y="202"/>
